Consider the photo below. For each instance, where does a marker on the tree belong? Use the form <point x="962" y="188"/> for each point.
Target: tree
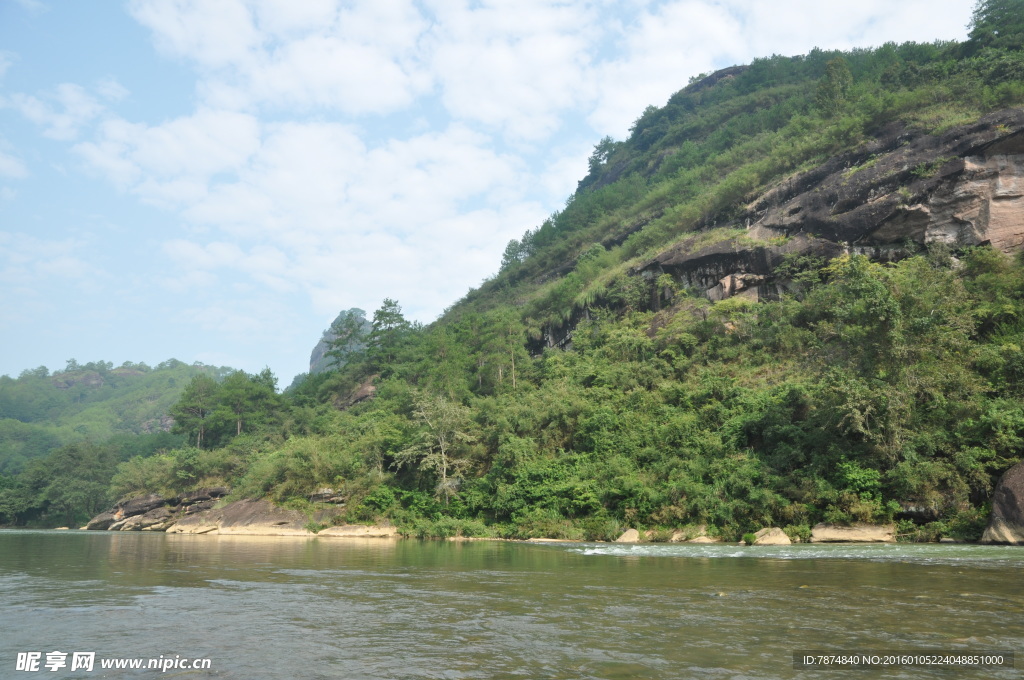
<point x="443" y="436"/>
<point x="997" y="24"/>
<point x="243" y="398"/>
<point x="194" y="407"/>
<point x="388" y="332"/>
<point x="833" y="86"/>
<point x="347" y="336"/>
<point x="602" y="151"/>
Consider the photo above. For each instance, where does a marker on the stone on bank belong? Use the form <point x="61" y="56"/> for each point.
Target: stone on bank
<point x="1007" y="522"/>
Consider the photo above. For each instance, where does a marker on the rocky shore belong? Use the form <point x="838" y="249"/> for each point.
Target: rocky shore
<point x="202" y="512"/>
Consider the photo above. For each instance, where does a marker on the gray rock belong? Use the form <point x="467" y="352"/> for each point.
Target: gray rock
<point x="139" y="506"/>
<point x="629" y="536"/>
<point x="101" y="521"/>
<point x="198" y="507"/>
<point x="1007" y="522"/>
<point x="157" y="517"/>
<point x="772" y="536"/>
<point x="857" y="533"/>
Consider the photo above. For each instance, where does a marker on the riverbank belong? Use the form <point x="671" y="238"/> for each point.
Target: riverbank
<point x="205" y="512"/>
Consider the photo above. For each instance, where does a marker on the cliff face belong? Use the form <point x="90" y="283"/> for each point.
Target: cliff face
<point x="901" y="190"/>
<point x="347" y="321"/>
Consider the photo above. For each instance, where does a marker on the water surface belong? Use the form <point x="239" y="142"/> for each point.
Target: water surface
<point x="284" y="607"/>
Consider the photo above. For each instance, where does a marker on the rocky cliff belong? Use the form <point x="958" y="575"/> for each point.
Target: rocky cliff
<point x="893" y="195"/>
<point x="356" y="320"/>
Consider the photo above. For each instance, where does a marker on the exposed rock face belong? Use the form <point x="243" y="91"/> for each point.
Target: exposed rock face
<point x="194" y="513"/>
<point x="963" y="188"/>
<point x="318" y="359"/>
<point x="858" y="533"/>
<point x="771" y="536"/>
<point x="138" y="506"/>
<point x="629" y="536"/>
<point x="1007" y="522"/>
<point x="158" y="519"/>
<point x="246" y="517"/>
<point x="101" y="521"/>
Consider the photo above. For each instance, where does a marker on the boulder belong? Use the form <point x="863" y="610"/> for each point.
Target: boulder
<point x="629" y="536"/>
<point x="157" y="519"/>
<point x="198" y="507"/>
<point x="247" y="518"/>
<point x="1006" y="524"/>
<point x="101" y="522"/>
<point x="771" y="536"/>
<point x="139" y="506"/>
<point x="704" y="539"/>
<point x="856" y="533"/>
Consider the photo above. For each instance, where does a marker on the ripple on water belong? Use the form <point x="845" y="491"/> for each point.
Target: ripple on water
<point x="913" y="553"/>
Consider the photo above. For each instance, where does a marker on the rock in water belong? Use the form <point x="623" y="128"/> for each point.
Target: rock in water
<point x="772" y="536"/>
<point x="101" y="522"/>
<point x="629" y="536"/>
<point x="857" y="533"/>
<point x="1007" y="522"/>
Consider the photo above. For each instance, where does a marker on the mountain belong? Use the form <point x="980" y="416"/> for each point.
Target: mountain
<point x="350" y="325"/>
<point x="794" y="294"/>
<point x="40" y="411"/>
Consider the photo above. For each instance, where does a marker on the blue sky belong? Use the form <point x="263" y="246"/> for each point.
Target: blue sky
<point x="213" y="180"/>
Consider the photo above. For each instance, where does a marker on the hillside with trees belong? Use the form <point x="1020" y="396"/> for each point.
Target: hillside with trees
<point x="793" y="294"/>
<point x="63" y="433"/>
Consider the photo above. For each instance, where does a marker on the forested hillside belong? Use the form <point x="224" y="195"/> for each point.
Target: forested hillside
<point x="78" y="423"/>
<point x="793" y="294"/>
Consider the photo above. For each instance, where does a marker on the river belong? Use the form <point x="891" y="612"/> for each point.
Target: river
<point x="281" y="607"/>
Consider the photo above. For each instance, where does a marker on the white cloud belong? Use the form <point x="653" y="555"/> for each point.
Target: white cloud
<point x="358" y="59"/>
<point x="12" y="167"/>
<point x="32" y="5"/>
<point x="61" y="113"/>
<point x="213" y="34"/>
<point x="316" y="210"/>
<point x="111" y="90"/>
<point x="28" y="262"/>
<point x="170" y="164"/>
<point x="6" y="60"/>
<point x="515" y="66"/>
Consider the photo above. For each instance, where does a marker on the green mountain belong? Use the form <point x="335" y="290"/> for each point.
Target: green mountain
<point x="793" y="294"/>
<point x="40" y="411"/>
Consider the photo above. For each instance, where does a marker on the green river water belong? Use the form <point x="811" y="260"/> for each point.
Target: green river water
<point x="347" y="608"/>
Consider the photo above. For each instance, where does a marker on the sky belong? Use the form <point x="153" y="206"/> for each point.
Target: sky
<point x="214" y="180"/>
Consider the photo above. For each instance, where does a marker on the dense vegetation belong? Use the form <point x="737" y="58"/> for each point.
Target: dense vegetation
<point x="62" y="434"/>
<point x="566" y="397"/>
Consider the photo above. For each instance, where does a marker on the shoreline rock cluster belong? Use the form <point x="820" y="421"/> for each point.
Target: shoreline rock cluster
<point x="821" y="533"/>
<point x="197" y="513"/>
<point x="154" y="512"/>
